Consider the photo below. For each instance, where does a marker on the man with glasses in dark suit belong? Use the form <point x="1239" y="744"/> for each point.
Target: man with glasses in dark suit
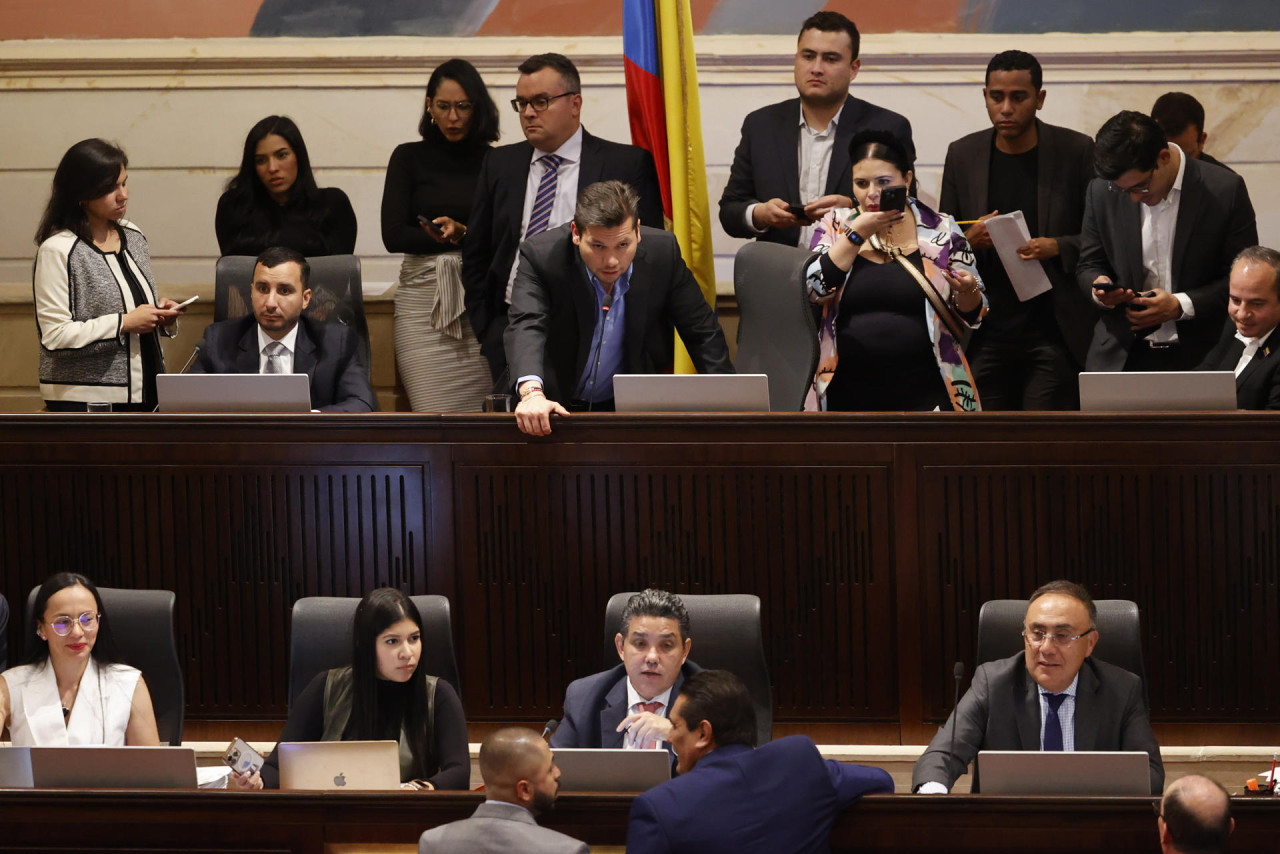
<point x="530" y="187"/>
<point x="1051" y="696"/>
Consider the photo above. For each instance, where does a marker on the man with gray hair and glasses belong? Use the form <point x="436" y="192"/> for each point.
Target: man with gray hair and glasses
<point x="1050" y="696"/>
<point x="597" y="297"/>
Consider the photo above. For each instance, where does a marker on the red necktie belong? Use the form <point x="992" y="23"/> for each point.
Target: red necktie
<point x="649" y="707"/>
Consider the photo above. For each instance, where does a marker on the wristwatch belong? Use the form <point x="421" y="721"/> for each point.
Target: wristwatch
<point x="855" y="238"/>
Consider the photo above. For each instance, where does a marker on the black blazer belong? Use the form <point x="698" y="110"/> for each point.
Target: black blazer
<point x="594" y="706"/>
<point x="1215" y="222"/>
<point x="1258" y="385"/>
<point x="554" y="310"/>
<point x="494" y="233"/>
<point x="766" y="164"/>
<point x="1001" y="711"/>
<point x="1064" y="168"/>
<point x="328" y="353"/>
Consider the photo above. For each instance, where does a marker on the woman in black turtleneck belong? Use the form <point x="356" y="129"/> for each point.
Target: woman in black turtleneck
<point x="383" y="696"/>
<point x="425" y="206"/>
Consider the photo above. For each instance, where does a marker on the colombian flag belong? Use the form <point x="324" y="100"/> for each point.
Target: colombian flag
<point x="666" y="119"/>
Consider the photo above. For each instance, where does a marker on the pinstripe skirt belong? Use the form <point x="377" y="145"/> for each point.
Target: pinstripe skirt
<point x="437" y="355"/>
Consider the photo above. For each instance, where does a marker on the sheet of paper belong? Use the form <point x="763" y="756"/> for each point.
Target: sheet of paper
<point x="1008" y="233"/>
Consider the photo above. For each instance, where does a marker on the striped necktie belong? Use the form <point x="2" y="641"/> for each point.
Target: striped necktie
<point x="540" y="215"/>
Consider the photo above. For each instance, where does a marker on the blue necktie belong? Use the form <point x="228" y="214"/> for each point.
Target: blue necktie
<point x="540" y="214"/>
<point x="1052" y="725"/>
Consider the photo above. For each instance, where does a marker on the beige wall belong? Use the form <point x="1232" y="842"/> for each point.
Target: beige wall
<point x="181" y="109"/>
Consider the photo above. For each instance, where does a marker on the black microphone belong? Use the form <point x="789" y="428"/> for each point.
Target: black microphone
<point x="958" y="673"/>
<point x="191" y="361"/>
<point x="551" y="727"/>
<point x="604" y="315"/>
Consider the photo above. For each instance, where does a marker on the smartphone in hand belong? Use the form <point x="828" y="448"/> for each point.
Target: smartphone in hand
<point x="797" y="211"/>
<point x="431" y="226"/>
<point x="242" y="758"/>
<point x="893" y="198"/>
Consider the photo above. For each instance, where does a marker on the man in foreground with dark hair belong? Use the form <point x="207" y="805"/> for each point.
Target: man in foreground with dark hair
<point x="531" y="186"/>
<point x="521" y="782"/>
<point x="1050" y="696"/>
<point x="796" y="152"/>
<point x="1160" y="232"/>
<point x="279" y="339"/>
<point x="629" y="706"/>
<point x="1027" y="354"/>
<point x="735" y="798"/>
<point x="1248" y="346"/>
<point x="1181" y="117"/>
<point x="1195" y="817"/>
<point x="597" y="297"/>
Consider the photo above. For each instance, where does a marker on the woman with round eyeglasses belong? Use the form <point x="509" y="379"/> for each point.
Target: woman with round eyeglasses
<point x="384" y="695"/>
<point x="426" y="203"/>
<point x="72" y="692"/>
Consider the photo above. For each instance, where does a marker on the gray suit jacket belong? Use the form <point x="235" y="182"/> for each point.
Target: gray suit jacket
<point x="499" y="828"/>
<point x="1001" y="711"/>
<point x="1215" y="222"/>
<point x="1064" y="170"/>
<point x="766" y="163"/>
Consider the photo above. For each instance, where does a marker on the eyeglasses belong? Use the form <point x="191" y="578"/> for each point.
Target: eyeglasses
<point x="1035" y="637"/>
<point x="62" y="625"/>
<point x="1137" y="190"/>
<point x="539" y="103"/>
<point x="444" y="107"/>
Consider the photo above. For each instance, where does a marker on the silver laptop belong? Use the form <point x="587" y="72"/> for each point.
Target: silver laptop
<point x="233" y="392"/>
<point x="344" y="765"/>
<point x="611" y="770"/>
<point x="691" y="392"/>
<point x="113" y="767"/>
<point x="1058" y="772"/>
<point x="1159" y="391"/>
<point x="15" y="768"/>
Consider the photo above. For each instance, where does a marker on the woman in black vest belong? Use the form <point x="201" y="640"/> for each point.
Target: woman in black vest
<point x="383" y="696"/>
<point x="274" y="201"/>
<point x="97" y="310"/>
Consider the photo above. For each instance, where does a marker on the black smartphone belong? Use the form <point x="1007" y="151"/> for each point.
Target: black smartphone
<point x="431" y="226"/>
<point x="798" y="212"/>
<point x="893" y="198"/>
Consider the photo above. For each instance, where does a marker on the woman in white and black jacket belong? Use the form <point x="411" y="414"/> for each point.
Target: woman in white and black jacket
<point x="97" y="311"/>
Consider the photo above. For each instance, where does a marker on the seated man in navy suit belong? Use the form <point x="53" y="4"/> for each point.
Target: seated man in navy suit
<point x="278" y="339"/>
<point x="734" y="797"/>
<point x="1249" y="345"/>
<point x="629" y="706"/>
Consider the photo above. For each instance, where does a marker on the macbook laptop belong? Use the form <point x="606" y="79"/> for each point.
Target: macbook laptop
<point x="113" y="767"/>
<point x="344" y="765"/>
<point x="1058" y="772"/>
<point x="1157" y="391"/>
<point x="15" y="768"/>
<point x="233" y="392"/>
<point x="691" y="392"/>
<point x="611" y="770"/>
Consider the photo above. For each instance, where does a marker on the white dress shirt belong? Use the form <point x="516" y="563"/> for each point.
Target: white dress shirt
<point x="1159" y="223"/>
<point x="1251" y="348"/>
<point x="813" y="153"/>
<point x="633" y="707"/>
<point x="566" y="191"/>
<point x="289" y="341"/>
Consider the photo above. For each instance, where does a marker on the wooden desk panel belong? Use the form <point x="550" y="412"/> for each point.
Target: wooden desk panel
<point x="872" y="541"/>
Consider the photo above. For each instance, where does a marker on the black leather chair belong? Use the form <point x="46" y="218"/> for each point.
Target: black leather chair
<point x="777" y="332"/>
<point x="320" y="639"/>
<point x="4" y="633"/>
<point x="337" y="292"/>
<point x="142" y="629"/>
<point x="1119" y="634"/>
<point x="726" y="636"/>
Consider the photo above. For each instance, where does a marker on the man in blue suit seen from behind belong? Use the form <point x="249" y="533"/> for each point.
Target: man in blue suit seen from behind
<point x="629" y="705"/>
<point x="733" y="797"/>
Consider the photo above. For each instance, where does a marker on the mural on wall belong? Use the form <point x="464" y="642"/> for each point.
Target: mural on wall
<point x="82" y="19"/>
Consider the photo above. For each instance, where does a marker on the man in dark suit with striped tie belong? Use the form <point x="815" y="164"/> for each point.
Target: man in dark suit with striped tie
<point x="1249" y="345"/>
<point x="529" y="187"/>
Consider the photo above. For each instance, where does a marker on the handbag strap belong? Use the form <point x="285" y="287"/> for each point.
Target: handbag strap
<point x="940" y="307"/>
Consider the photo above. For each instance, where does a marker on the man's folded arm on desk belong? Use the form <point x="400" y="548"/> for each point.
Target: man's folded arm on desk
<point x="938" y="768"/>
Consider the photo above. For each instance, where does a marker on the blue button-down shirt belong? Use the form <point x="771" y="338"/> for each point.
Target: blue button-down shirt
<point x="596" y="383"/>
